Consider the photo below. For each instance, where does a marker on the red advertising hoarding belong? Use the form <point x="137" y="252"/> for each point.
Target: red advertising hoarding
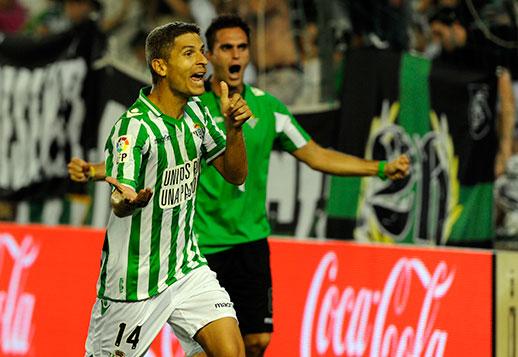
<point x="47" y="289"/>
<point x="330" y="299"/>
<point x="347" y="299"/>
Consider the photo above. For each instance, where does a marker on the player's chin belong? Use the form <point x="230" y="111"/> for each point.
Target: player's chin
<point x="197" y="89"/>
<point x="234" y="82"/>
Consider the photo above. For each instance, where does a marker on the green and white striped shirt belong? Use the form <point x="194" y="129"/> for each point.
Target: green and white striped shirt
<point x="145" y="253"/>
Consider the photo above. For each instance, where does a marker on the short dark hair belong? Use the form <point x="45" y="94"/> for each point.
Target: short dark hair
<point x="161" y="39"/>
<point x="224" y="22"/>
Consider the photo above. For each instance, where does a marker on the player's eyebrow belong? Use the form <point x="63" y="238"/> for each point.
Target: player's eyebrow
<point x="202" y="47"/>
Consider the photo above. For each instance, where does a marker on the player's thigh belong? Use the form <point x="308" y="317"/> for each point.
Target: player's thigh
<point x="221" y="338"/>
<point x="126" y="328"/>
<point x="203" y="301"/>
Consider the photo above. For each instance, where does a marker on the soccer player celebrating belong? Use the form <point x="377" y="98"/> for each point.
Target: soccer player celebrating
<point x="231" y="222"/>
<point x="152" y="271"/>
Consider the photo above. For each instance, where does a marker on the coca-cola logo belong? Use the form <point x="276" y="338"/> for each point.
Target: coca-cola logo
<point x="16" y="306"/>
<point x="360" y="321"/>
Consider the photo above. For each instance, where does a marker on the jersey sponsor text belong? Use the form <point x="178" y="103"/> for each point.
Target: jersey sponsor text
<point x="179" y="184"/>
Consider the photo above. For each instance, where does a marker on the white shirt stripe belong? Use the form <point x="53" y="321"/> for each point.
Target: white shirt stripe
<point x="284" y="125"/>
<point x="167" y="214"/>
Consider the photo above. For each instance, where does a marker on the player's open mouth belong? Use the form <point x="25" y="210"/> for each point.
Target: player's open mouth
<point x="234" y="71"/>
<point x="198" y="77"/>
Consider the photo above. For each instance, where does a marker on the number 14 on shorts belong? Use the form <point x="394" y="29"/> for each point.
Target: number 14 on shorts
<point x="132" y="339"/>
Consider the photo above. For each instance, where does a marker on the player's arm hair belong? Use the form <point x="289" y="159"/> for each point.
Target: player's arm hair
<point x="334" y="162"/>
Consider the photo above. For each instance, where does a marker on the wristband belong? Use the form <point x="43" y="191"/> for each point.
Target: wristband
<point x="381" y="170"/>
<point x="91" y="171"/>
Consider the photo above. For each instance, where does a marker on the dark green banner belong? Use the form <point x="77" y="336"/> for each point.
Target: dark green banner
<point x="443" y="118"/>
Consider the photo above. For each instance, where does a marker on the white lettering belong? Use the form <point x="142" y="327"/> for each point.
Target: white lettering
<point x="179" y="184"/>
<point x="16" y="306"/>
<point x="380" y="334"/>
<point x="42" y="115"/>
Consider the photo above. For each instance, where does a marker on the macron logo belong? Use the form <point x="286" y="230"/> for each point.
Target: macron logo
<point x="223" y="304"/>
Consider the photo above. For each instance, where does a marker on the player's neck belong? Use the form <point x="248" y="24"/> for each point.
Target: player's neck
<point x="169" y="102"/>
<point x="216" y="88"/>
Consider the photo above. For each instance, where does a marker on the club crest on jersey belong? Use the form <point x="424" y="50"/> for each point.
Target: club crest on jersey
<point x="179" y="184"/>
<point x="199" y="131"/>
<point x="123" y="147"/>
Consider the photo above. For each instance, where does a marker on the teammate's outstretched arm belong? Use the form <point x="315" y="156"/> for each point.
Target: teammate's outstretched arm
<point x="340" y="164"/>
<point x="82" y="171"/>
<point x="232" y="164"/>
<point x="125" y="200"/>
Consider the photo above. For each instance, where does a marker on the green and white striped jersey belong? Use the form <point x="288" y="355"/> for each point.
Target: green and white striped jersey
<point x="145" y="253"/>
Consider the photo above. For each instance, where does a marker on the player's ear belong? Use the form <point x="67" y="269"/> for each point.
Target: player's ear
<point x="159" y="66"/>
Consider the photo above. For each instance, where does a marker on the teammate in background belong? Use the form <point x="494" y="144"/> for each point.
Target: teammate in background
<point x="231" y="222"/>
<point x="152" y="271"/>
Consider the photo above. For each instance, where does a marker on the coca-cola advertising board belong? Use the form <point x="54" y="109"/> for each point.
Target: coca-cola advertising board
<point x="330" y="298"/>
<point x="347" y="299"/>
<point x="47" y="289"/>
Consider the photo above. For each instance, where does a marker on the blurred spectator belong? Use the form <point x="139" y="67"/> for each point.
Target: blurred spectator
<point x="311" y="65"/>
<point x="204" y="12"/>
<point x="274" y="54"/>
<point x="137" y="60"/>
<point x="12" y="16"/>
<point x="463" y="44"/>
<point x="61" y="15"/>
<point x="114" y="14"/>
<point x="159" y="12"/>
<point x="380" y="23"/>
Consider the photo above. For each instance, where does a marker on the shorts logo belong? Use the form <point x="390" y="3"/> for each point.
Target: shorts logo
<point x="223" y="304"/>
<point x="104" y="306"/>
<point x="123" y="148"/>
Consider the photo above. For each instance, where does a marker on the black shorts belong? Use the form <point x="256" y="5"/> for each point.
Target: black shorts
<point x="244" y="271"/>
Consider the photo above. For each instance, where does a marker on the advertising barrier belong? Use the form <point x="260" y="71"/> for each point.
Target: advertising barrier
<point x="330" y="298"/>
<point x="348" y="299"/>
<point x="47" y="289"/>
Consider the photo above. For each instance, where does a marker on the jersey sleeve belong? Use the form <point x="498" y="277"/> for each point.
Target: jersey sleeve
<point x="124" y="149"/>
<point x="288" y="131"/>
<point x="214" y="140"/>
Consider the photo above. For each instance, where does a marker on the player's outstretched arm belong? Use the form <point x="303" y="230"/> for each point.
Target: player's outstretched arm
<point x="82" y="171"/>
<point x="125" y="201"/>
<point x="232" y="164"/>
<point x="340" y="164"/>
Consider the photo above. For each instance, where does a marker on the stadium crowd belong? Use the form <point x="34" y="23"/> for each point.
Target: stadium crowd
<point x="298" y="46"/>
